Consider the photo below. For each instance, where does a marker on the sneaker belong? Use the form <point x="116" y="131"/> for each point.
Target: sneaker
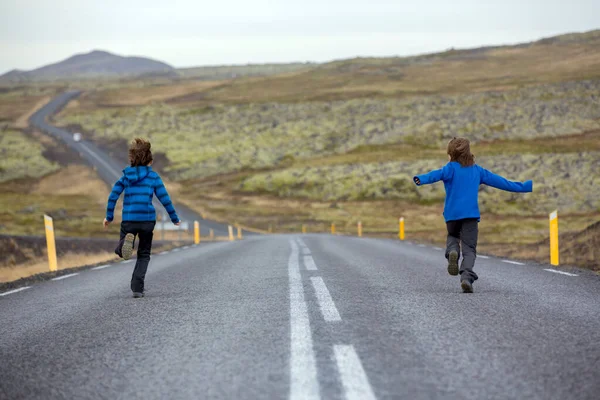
<point x="466" y="286"/>
<point x="453" y="263"/>
<point x="127" y="249"/>
<point x="137" y="295"/>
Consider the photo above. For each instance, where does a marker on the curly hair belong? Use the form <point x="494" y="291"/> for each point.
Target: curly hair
<point x="139" y="152"/>
<point x="459" y="150"/>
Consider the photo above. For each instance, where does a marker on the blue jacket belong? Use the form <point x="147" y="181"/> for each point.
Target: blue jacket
<point x="140" y="184"/>
<point x="462" y="188"/>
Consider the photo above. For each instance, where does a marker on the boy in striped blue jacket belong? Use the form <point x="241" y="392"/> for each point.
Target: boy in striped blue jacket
<point x="140" y="183"/>
<point x="462" y="178"/>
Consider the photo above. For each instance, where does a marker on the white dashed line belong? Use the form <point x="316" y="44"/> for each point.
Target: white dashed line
<point x="484" y="257"/>
<point x="301" y="243"/>
<point x="65" y="277"/>
<point x="306" y="251"/>
<point x="513" y="262"/>
<point x="352" y="374"/>
<point x="560" y="272"/>
<point x="438" y="248"/>
<point x="175" y="250"/>
<point x="101" y="267"/>
<point x="186" y="247"/>
<point x="303" y="367"/>
<point x="422" y="245"/>
<point x="309" y="263"/>
<point x="163" y="253"/>
<point x="326" y="304"/>
<point x="14" y="291"/>
<point x="126" y="262"/>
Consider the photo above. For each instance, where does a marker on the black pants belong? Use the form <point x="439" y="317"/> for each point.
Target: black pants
<point x="463" y="234"/>
<point x="144" y="232"/>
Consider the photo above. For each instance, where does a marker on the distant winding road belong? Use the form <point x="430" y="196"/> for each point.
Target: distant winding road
<point x="107" y="168"/>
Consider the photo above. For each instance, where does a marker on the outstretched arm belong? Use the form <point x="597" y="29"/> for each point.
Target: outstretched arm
<point x="163" y="196"/>
<point x="442" y="174"/>
<point x="498" y="182"/>
<point x="116" y="191"/>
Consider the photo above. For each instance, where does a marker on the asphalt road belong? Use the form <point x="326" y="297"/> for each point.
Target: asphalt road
<point x="108" y="169"/>
<point x="304" y="317"/>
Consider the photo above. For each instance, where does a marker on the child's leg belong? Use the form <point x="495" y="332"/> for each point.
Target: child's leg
<point x="124" y="231"/>
<point x="145" y="234"/>
<point x="468" y="236"/>
<point x="453" y="245"/>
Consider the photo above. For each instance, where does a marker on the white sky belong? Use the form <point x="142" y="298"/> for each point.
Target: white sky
<point x="195" y="32"/>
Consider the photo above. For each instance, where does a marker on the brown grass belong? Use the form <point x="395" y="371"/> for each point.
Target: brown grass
<point x="23" y="121"/>
<point x="69" y="260"/>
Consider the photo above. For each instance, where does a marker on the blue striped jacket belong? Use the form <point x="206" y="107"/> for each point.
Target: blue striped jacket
<point x="140" y="184"/>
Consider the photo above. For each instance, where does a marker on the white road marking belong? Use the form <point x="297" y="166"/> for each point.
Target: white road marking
<point x="186" y="247"/>
<point x="352" y="374"/>
<point x="303" y="367"/>
<point x="438" y="248"/>
<point x="512" y="262"/>
<point x="175" y="250"/>
<point x="126" y="262"/>
<point x="560" y="272"/>
<point x="163" y="253"/>
<point x="309" y="263"/>
<point x="422" y="245"/>
<point x="64" y="277"/>
<point x="485" y="257"/>
<point x="15" y="291"/>
<point x="101" y="267"/>
<point x="326" y="304"/>
<point x="301" y="243"/>
<point x="306" y="251"/>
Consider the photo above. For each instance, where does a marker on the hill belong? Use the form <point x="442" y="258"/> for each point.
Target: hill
<point x="95" y="64"/>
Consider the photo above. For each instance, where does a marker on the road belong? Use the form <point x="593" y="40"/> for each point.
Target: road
<point x="304" y="317"/>
<point x="109" y="169"/>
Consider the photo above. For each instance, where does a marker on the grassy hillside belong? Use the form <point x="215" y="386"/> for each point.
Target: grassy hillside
<point x="340" y="141"/>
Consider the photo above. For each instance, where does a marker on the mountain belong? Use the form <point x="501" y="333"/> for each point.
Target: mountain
<point x="95" y="64"/>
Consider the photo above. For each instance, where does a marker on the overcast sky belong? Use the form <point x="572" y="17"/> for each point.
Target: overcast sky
<point x="195" y="32"/>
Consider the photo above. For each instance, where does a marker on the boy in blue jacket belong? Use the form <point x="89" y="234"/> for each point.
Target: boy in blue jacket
<point x="140" y="183"/>
<point x="462" y="177"/>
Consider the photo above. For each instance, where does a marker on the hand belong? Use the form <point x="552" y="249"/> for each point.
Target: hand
<point x="177" y="223"/>
<point x="417" y="181"/>
<point x="106" y="223"/>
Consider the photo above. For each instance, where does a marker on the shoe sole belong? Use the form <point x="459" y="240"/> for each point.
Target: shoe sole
<point x="466" y="287"/>
<point x="127" y="249"/>
<point x="138" y="295"/>
<point x="453" y="263"/>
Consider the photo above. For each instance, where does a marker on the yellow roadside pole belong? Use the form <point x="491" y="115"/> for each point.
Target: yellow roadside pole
<point x="303" y="229"/>
<point x="270" y="228"/>
<point x="554" y="237"/>
<point x="196" y="232"/>
<point x="230" y="233"/>
<point x="401" y="228"/>
<point x="50" y="242"/>
<point x="332" y="228"/>
<point x="239" y="232"/>
<point x="212" y="234"/>
<point x="359" y="229"/>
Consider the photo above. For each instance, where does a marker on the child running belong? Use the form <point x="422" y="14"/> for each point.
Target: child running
<point x="140" y="183"/>
<point x="462" y="177"/>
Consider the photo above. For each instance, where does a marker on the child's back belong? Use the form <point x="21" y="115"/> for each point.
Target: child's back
<point x="462" y="178"/>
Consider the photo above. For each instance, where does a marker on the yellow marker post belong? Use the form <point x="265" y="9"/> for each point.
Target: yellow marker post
<point x="359" y="229"/>
<point x="196" y="232"/>
<point x="50" y="242"/>
<point x="239" y="232"/>
<point x="230" y="233"/>
<point x="554" y="237"/>
<point x="401" y="228"/>
<point x="332" y="228"/>
<point x="303" y="229"/>
<point x="212" y="234"/>
<point x="270" y="228"/>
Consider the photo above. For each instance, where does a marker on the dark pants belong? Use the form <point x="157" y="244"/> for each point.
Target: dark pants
<point x="463" y="234"/>
<point x="144" y="232"/>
